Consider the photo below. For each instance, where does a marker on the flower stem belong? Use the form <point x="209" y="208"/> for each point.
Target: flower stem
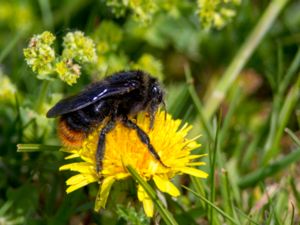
<point x="42" y="96"/>
<point x="243" y="55"/>
<point x="198" y="104"/>
<point x="36" y="147"/>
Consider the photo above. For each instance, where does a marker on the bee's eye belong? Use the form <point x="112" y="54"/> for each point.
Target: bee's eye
<point x="155" y="90"/>
<point x="157" y="93"/>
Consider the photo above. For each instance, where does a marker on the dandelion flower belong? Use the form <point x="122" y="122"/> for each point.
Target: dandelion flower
<point x="124" y="148"/>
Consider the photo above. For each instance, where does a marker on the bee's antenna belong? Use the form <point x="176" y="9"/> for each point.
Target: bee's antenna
<point x="164" y="108"/>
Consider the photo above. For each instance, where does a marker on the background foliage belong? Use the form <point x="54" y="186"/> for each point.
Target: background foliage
<point x="192" y="46"/>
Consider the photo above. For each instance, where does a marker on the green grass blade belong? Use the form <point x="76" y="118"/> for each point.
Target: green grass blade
<point x="229" y="114"/>
<point x="295" y="191"/>
<point x="232" y="220"/>
<point x="198" y="104"/>
<point x="293" y="214"/>
<point x="293" y="136"/>
<point x="9" y="46"/>
<point x="165" y="214"/>
<point x="260" y="174"/>
<point x="280" y="114"/>
<point x="46" y="13"/>
<point x="246" y="216"/>
<point x="226" y="194"/>
<point x="289" y="104"/>
<point x="290" y="73"/>
<point x="199" y="187"/>
<point x="213" y="158"/>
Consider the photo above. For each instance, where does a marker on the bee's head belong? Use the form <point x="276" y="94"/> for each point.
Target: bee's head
<point x="156" y="93"/>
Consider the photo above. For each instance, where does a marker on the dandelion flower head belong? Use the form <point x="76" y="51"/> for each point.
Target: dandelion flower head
<point x="123" y="148"/>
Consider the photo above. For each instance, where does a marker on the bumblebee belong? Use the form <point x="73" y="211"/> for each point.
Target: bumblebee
<point x="116" y="97"/>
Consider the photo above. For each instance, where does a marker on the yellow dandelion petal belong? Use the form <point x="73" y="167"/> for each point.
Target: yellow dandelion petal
<point x="148" y="207"/>
<point x="103" y="193"/>
<point x="194" y="172"/>
<point x="165" y="185"/>
<point x="196" y="164"/>
<point x="191" y="157"/>
<point x="79" y="181"/>
<point x="146" y="200"/>
<point x="72" y="156"/>
<point x="81" y="167"/>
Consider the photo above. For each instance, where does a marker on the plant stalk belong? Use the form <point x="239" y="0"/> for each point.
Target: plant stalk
<point x="242" y="56"/>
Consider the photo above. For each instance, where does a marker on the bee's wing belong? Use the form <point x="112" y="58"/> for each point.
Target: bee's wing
<point x="93" y="93"/>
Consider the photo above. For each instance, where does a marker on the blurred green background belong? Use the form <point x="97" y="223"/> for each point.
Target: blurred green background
<point x="252" y="135"/>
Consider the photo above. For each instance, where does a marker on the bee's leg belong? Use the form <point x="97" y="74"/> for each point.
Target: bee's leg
<point x="152" y="111"/>
<point x="101" y="144"/>
<point x="143" y="137"/>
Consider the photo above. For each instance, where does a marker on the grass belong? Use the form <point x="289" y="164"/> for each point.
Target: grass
<point x="238" y="86"/>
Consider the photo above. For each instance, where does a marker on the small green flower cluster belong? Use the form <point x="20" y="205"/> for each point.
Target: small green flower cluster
<point x="40" y="55"/>
<point x="216" y="13"/>
<point x="77" y="49"/>
<point x="143" y="10"/>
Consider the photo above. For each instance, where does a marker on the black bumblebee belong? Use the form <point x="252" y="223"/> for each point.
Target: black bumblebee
<point x="115" y="97"/>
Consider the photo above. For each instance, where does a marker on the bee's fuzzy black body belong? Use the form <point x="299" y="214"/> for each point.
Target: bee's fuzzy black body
<point x="115" y="97"/>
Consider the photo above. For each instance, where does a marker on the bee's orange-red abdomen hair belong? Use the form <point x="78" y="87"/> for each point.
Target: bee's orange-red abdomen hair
<point x="69" y="137"/>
